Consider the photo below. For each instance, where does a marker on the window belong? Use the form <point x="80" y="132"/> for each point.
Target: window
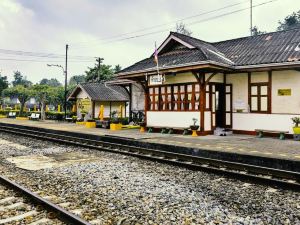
<point x="181" y="97"/>
<point x="259" y="98"/>
<point x="153" y="99"/>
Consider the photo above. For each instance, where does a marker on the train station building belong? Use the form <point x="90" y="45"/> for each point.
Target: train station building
<point x="243" y="84"/>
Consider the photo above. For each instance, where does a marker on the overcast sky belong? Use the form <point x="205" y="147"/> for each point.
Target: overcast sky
<point x="45" y="26"/>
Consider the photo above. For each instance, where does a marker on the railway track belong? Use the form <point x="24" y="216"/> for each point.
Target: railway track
<point x="255" y="174"/>
<point x="18" y="205"/>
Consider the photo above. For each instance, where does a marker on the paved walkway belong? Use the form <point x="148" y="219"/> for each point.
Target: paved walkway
<point x="242" y="144"/>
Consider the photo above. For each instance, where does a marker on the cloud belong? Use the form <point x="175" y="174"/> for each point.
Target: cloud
<point x="46" y="26"/>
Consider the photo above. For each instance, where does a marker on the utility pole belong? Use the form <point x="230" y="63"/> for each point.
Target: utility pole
<point x="66" y="80"/>
<point x="99" y="60"/>
<point x="251" y="25"/>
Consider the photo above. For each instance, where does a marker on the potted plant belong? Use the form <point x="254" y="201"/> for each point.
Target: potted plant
<point x="296" y="128"/>
<point x="114" y="121"/>
<point x="194" y="127"/>
<point x="142" y="125"/>
<point x="74" y="119"/>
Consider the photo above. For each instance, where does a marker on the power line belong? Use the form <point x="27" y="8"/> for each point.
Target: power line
<point x="42" y="55"/>
<point x="32" y="60"/>
<point x="161" y="25"/>
<point x="191" y="23"/>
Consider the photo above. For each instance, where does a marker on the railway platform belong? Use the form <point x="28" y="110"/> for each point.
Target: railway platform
<point x="242" y="147"/>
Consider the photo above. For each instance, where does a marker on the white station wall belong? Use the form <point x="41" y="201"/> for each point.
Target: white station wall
<point x="288" y="79"/>
<point x="252" y="121"/>
<point x="172" y="119"/>
<point x="207" y="121"/>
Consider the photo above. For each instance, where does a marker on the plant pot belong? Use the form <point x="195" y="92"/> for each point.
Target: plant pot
<point x="143" y="126"/>
<point x="194" y="127"/>
<point x="22" y="118"/>
<point x="115" y="126"/>
<point x="296" y="130"/>
<point x="90" y="124"/>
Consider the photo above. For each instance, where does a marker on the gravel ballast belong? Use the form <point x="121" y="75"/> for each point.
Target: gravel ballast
<point x="116" y="189"/>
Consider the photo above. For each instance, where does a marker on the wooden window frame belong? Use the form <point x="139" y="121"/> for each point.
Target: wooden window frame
<point x="163" y="105"/>
<point x="258" y="95"/>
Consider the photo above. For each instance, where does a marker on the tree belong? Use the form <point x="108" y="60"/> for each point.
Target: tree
<point x="57" y="96"/>
<point x="117" y="68"/>
<point x="21" y="92"/>
<point x="290" y="22"/>
<point x="19" y="79"/>
<point x="182" y="29"/>
<point x="99" y="75"/>
<point x="256" y="31"/>
<point x="77" y="79"/>
<point x="43" y="94"/>
<point x="3" y="83"/>
<point x="53" y="82"/>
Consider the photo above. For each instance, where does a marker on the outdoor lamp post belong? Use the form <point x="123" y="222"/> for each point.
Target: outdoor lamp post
<point x="65" y="74"/>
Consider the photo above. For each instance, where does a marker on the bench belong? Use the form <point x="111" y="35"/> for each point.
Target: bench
<point x="260" y="133"/>
<point x="105" y="124"/>
<point x="34" y="116"/>
<point x="69" y="119"/>
<point x="168" y="130"/>
<point x="12" y="115"/>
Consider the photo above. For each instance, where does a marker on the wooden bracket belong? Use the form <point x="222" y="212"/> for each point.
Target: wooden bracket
<point x="209" y="78"/>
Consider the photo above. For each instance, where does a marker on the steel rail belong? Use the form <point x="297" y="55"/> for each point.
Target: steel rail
<point x="247" y="172"/>
<point x="61" y="213"/>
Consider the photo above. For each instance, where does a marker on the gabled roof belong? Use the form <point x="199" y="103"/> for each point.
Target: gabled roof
<point x="275" y="47"/>
<point x="101" y="92"/>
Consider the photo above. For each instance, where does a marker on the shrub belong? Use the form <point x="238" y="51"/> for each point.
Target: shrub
<point x="124" y="121"/>
<point x="296" y="121"/>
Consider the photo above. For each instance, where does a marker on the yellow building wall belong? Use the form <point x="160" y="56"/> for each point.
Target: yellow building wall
<point x="82" y="95"/>
<point x="287" y="79"/>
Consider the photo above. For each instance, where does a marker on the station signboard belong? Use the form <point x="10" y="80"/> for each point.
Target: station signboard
<point x="156" y="80"/>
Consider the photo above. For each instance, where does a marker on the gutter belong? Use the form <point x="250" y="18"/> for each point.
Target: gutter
<point x="153" y="69"/>
<point x="297" y="63"/>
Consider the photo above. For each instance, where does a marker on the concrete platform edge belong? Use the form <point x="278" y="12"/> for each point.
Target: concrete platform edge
<point x="282" y="164"/>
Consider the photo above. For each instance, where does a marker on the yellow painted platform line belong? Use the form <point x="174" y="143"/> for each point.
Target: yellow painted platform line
<point x="188" y="143"/>
<point x="297" y="156"/>
<point x="179" y="142"/>
<point x="230" y="148"/>
<point x="267" y="153"/>
<point x="282" y="154"/>
<point x="253" y="151"/>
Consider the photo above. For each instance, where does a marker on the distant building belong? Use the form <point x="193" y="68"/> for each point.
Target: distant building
<point x="245" y="84"/>
<point x="90" y="96"/>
